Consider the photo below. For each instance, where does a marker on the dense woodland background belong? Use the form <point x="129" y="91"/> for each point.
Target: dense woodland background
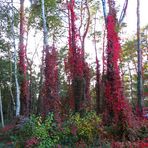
<point x="49" y="79"/>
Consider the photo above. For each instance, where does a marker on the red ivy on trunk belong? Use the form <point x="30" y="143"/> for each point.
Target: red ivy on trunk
<point x="76" y="68"/>
<point x="22" y="65"/>
<point x="50" y="89"/>
<point x="118" y="111"/>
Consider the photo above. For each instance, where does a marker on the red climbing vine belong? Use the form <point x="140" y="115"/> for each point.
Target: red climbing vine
<point x="22" y="65"/>
<point x="75" y="54"/>
<point x="76" y="68"/>
<point x="118" y="112"/>
<point x="74" y="64"/>
<point x="50" y="89"/>
<point x="98" y="99"/>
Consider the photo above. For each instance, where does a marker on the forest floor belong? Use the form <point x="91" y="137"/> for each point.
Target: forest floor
<point x="5" y="137"/>
<point x="8" y="139"/>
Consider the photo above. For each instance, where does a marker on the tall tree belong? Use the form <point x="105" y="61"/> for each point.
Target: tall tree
<point x="139" y="53"/>
<point x="118" y="112"/>
<point x="1" y="109"/>
<point x="98" y="97"/>
<point x="43" y="99"/>
<point x="18" y="106"/>
<point x="50" y="102"/>
<point x="75" y="65"/>
<point x="22" y="64"/>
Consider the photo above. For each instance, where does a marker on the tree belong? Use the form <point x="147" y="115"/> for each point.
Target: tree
<point x="45" y="17"/>
<point x="77" y="68"/>
<point x="1" y="109"/>
<point x="18" y="104"/>
<point x="50" y="86"/>
<point x="117" y="110"/>
<point x="22" y="64"/>
<point x="139" y="54"/>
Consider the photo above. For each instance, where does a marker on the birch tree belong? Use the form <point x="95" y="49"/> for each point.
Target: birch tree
<point x="17" y="113"/>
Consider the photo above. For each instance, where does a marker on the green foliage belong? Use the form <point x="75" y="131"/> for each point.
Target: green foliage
<point x="74" y="130"/>
<point x="4" y="73"/>
<point x="6" y="19"/>
<point x="22" y="135"/>
<point x="143" y="131"/>
<point x="52" y="16"/>
<point x="83" y="127"/>
<point x="129" y="66"/>
<point x="77" y="130"/>
<point x="6" y="80"/>
<point x="4" y="46"/>
<point x="45" y="130"/>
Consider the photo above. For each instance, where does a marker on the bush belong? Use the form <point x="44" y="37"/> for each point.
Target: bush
<point x="42" y="133"/>
<point x="81" y="128"/>
<point x="77" y="130"/>
<point x="38" y="131"/>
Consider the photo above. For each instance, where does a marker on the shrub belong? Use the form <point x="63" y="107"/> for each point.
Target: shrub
<point x="46" y="131"/>
<point x="38" y="131"/>
<point x="82" y="128"/>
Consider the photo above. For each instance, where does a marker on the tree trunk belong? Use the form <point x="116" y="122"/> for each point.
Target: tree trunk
<point x="15" y="66"/>
<point x="43" y="106"/>
<point x="98" y="97"/>
<point x="1" y="110"/>
<point x="76" y="62"/>
<point x="117" y="110"/>
<point x="22" y="64"/>
<point x="45" y="33"/>
<point x="139" y="52"/>
<point x="10" y="85"/>
<point x="44" y="99"/>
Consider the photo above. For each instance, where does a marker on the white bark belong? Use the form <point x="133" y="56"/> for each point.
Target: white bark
<point x="15" y="67"/>
<point x="10" y="85"/>
<point x="45" y="33"/>
<point x="1" y="110"/>
<point x="45" y="44"/>
<point x="131" y="81"/>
